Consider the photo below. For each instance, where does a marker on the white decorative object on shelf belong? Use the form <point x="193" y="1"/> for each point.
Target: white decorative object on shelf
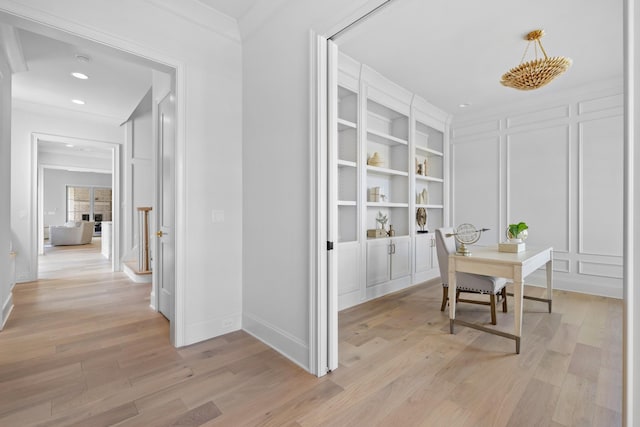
<point x="423" y="197"/>
<point x="375" y="160"/>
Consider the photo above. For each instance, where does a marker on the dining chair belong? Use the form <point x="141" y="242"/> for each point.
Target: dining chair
<point x="467" y="282"/>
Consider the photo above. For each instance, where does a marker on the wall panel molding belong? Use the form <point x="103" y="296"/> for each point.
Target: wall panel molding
<point x="600" y="186"/>
<point x="563" y="150"/>
<point x="600" y="269"/>
<point x="539" y="116"/>
<point x="536" y="160"/>
<point x="600" y="104"/>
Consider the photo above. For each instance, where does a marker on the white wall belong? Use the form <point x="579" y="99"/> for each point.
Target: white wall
<point x="6" y="301"/>
<point x="208" y="55"/>
<point x="138" y="172"/>
<point x="277" y="151"/>
<point x="55" y="183"/>
<point x="555" y="163"/>
<point x="51" y="122"/>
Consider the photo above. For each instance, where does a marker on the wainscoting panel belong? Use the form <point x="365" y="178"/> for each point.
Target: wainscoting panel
<point x="476" y="129"/>
<point x="600" y="186"/>
<point x="559" y="169"/>
<point x="601" y="269"/>
<point x="600" y="104"/>
<point x="475" y="179"/>
<point x="538" y="185"/>
<point x="558" y="112"/>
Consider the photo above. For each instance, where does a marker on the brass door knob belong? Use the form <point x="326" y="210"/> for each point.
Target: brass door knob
<point x="159" y="233"/>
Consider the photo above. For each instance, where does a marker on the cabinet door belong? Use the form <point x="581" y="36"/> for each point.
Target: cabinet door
<point x="377" y="262"/>
<point x="400" y="258"/>
<point x="348" y="268"/>
<point x="424" y="258"/>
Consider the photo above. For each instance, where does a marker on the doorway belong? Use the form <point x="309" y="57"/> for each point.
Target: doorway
<point x="31" y="236"/>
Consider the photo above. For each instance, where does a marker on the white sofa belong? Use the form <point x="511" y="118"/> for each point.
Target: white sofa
<point x="71" y="233"/>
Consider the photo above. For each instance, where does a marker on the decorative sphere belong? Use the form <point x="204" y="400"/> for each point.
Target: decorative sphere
<point x="522" y="235"/>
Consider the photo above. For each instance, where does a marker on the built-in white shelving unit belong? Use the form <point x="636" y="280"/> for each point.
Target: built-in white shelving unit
<point x="384" y="132"/>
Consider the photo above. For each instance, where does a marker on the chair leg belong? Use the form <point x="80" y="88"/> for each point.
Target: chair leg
<point x="504" y="300"/>
<point x="493" y="309"/>
<point x="445" y="293"/>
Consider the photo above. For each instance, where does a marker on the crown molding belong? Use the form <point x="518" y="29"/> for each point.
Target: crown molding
<point x="54" y="110"/>
<point x="202" y="15"/>
<point x="13" y="48"/>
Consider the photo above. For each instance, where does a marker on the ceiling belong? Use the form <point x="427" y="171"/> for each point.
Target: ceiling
<point x="113" y="90"/>
<point x="448" y="52"/>
<point x="454" y="52"/>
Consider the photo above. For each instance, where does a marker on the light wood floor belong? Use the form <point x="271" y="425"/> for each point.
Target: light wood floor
<point x="83" y="348"/>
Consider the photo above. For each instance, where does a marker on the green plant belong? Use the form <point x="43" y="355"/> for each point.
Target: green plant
<point x="516" y="229"/>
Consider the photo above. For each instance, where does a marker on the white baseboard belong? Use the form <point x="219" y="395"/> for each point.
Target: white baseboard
<point x="138" y="278"/>
<point x="285" y="344"/>
<point x="201" y="331"/>
<point x="7" y="307"/>
<point x="573" y="284"/>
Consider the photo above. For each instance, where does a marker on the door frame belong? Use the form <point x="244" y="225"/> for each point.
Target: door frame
<point x="323" y="301"/>
<point x="37" y="192"/>
<point x="24" y="16"/>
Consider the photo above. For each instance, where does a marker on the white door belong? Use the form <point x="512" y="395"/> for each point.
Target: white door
<point x="166" y="208"/>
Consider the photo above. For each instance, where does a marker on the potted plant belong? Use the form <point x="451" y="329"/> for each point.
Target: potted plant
<point x="517" y="233"/>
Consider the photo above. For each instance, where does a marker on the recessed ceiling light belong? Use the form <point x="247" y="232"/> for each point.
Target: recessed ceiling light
<point x="78" y="101"/>
<point x="69" y="145"/>
<point x="83" y="58"/>
<point x="464" y="105"/>
<point x="80" y="76"/>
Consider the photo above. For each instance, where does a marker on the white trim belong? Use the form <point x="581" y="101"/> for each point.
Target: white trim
<point x="631" y="263"/>
<point x="291" y="347"/>
<point x="13" y="48"/>
<point x="318" y="208"/>
<point x="7" y="308"/>
<point x="205" y="16"/>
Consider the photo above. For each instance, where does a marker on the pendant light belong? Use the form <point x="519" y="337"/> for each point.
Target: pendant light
<point x="538" y="72"/>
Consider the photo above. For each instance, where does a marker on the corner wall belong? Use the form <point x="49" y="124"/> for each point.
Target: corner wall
<point x="6" y="281"/>
<point x="555" y="163"/>
<point x="278" y="163"/>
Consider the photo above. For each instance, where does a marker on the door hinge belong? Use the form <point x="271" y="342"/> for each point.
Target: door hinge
<point x="329" y="245"/>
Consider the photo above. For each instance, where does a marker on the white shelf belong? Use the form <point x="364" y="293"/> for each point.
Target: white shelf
<point x="429" y="151"/>
<point x="387" y="205"/>
<point x="430" y="206"/>
<point x="345" y="124"/>
<point x="346" y="203"/>
<point x="385" y="171"/>
<point x="346" y="164"/>
<point x="384" y="138"/>
<point x="429" y="178"/>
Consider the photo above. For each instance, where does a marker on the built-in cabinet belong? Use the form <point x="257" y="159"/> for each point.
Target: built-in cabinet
<point x="390" y="161"/>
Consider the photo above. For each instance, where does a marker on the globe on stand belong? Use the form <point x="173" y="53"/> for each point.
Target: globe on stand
<point x="466" y="234"/>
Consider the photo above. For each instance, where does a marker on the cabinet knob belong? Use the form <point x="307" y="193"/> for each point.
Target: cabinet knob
<point x="159" y="233"/>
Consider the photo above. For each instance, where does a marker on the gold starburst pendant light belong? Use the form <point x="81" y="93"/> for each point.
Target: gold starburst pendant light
<point x="538" y="72"/>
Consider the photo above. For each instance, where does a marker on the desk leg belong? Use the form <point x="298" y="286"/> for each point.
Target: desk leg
<point x="452" y="292"/>
<point x="517" y="310"/>
<point x="550" y="282"/>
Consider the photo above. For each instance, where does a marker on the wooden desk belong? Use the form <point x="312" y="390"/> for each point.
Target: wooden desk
<point x="488" y="261"/>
